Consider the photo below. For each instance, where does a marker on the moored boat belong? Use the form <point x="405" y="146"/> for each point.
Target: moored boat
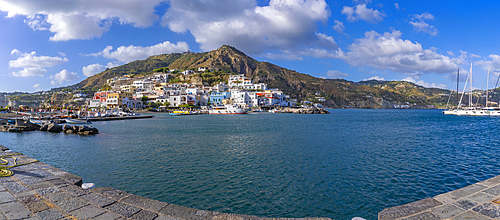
<point x="75" y="121"/>
<point x="226" y="110"/>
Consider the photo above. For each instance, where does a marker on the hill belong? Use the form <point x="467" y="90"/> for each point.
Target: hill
<point x="338" y="92"/>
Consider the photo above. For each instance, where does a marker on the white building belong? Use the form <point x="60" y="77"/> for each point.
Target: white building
<point x="239" y="82"/>
<point x="241" y="98"/>
<point x="187" y="72"/>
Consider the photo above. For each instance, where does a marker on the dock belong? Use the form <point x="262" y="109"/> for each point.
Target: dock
<point x="480" y="201"/>
<point x="120" y="118"/>
<point x="39" y="191"/>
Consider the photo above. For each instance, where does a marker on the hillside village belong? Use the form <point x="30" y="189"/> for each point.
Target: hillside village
<point x="158" y="89"/>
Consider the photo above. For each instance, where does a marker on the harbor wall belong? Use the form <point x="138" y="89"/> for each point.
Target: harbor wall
<point x="40" y="191"/>
<point x="477" y="201"/>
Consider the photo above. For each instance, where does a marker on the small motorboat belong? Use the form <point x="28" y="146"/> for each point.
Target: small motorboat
<point x="75" y="121"/>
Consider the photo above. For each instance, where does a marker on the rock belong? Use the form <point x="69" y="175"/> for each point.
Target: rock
<point x="83" y="128"/>
<point x="13" y="129"/>
<point x="54" y="128"/>
<point x="44" y="127"/>
<point x="66" y="127"/>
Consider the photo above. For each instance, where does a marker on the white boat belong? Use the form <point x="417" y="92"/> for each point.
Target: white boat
<point x="226" y="110"/>
<point x="38" y="122"/>
<point x="478" y="111"/>
<point x="75" y="121"/>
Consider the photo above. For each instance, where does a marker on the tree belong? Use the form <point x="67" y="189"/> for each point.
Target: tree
<point x="144" y="99"/>
<point x="106" y="87"/>
<point x="166" y="104"/>
<point x="187" y="106"/>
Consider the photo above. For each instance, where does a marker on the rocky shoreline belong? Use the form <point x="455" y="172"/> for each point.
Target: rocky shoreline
<point x="21" y="125"/>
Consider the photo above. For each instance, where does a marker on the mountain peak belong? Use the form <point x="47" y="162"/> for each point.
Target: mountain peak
<point x="224" y="49"/>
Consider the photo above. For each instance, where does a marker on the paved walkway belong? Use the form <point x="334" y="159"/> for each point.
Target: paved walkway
<point x="478" y="201"/>
<point x="40" y="191"/>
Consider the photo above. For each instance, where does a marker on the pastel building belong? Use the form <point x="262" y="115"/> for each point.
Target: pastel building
<point x="215" y="98"/>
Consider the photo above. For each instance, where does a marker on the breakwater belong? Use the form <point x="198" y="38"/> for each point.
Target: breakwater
<point x="21" y="125"/>
<point x="39" y="190"/>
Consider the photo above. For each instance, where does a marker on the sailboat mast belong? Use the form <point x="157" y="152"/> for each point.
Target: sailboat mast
<point x="487" y="80"/>
<point x="470" y="86"/>
<point x="458" y="79"/>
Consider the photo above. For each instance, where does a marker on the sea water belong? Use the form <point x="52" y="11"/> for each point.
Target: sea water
<point x="350" y="163"/>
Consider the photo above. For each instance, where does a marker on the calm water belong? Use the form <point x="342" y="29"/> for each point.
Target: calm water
<point x="346" y="164"/>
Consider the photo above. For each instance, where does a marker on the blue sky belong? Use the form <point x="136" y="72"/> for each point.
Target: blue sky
<point x="52" y="43"/>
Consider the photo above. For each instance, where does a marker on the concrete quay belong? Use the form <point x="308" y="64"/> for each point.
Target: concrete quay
<point x="120" y="118"/>
<point x="479" y="201"/>
<point x="40" y="191"/>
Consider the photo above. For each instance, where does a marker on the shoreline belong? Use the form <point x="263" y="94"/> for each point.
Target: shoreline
<point x="40" y="190"/>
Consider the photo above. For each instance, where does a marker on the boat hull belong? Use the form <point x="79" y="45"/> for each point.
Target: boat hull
<point x="227" y="113"/>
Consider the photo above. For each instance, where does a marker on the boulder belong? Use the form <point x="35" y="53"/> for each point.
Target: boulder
<point x="93" y="130"/>
<point x="87" y="130"/>
<point x="54" y="128"/>
<point x="83" y="128"/>
<point x="44" y="127"/>
<point x="13" y="129"/>
<point x="66" y="127"/>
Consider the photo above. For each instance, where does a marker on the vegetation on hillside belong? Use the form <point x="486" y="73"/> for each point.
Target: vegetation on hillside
<point x="227" y="60"/>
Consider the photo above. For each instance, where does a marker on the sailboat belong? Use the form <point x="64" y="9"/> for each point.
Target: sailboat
<point x="460" y="110"/>
<point x="473" y="110"/>
<point x="489" y="110"/>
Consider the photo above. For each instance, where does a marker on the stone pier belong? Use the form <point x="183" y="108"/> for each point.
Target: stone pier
<point x="40" y="191"/>
<point x="479" y="201"/>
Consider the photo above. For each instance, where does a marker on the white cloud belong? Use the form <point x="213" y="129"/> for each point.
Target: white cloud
<point x="326" y="41"/>
<point x="424" y="84"/>
<point x="27" y="72"/>
<point x="81" y="19"/>
<point x="299" y="53"/>
<point x="415" y="75"/>
<point x="33" y="65"/>
<point x="37" y="86"/>
<point x="474" y="55"/>
<point x="396" y="5"/>
<point x="450" y="53"/>
<point x="361" y="12"/>
<point x="362" y="1"/>
<point x="420" y="25"/>
<point x="334" y="74"/>
<point x="93" y="69"/>
<point x="131" y="53"/>
<point x="63" y="76"/>
<point x="74" y="26"/>
<point x="378" y="78"/>
<point x="283" y="24"/>
<point x="339" y="26"/>
<point x="493" y="64"/>
<point x="389" y="51"/>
